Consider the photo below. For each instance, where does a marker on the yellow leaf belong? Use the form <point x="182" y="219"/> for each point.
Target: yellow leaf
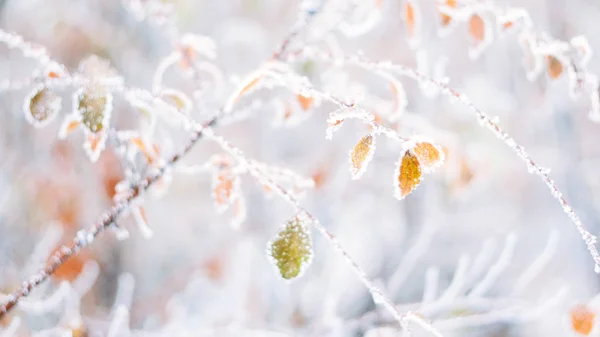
<point x="94" y="105"/>
<point x="41" y="106"/>
<point x="361" y="155"/>
<point x="429" y="155"/>
<point x="409" y="175"/>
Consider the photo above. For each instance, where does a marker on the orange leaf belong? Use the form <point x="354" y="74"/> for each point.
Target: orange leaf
<point x="305" y="101"/>
<point x="247" y="88"/>
<point x="409" y="17"/>
<point x="555" y="67"/>
<point x="477" y="27"/>
<point x="582" y="319"/>
<point x="429" y="155"/>
<point x="361" y="155"/>
<point x="447" y="19"/>
<point x="409" y="175"/>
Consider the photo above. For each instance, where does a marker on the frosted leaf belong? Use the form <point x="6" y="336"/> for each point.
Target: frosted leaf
<point x="583" y="49"/>
<point x="400" y="100"/>
<point x="412" y="18"/>
<point x="94" y="105"/>
<point x="225" y="188"/>
<point x="305" y="101"/>
<point x="239" y="212"/>
<point x="361" y="155"/>
<point x="555" y="67"/>
<point x="198" y="44"/>
<point x="481" y="35"/>
<point x="95" y="67"/>
<point x="94" y="144"/>
<point x="141" y="220"/>
<point x="177" y="99"/>
<point x="332" y="126"/>
<point x="532" y="60"/>
<point x="582" y="319"/>
<point x="41" y="106"/>
<point x="408" y="175"/>
<point x="446" y="19"/>
<point x="150" y="151"/>
<point x="477" y="28"/>
<point x="291" y="249"/>
<point x="429" y="155"/>
<point x="55" y="70"/>
<point x="247" y="86"/>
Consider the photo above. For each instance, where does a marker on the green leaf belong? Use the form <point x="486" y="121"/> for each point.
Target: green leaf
<point x="291" y="249"/>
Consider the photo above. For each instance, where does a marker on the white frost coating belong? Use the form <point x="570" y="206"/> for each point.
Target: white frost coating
<point x="432" y="279"/>
<point x="125" y="289"/>
<point x="49" y="304"/>
<point x="367" y="14"/>
<point x="481" y="261"/>
<point x="496" y="269"/>
<point x="458" y="280"/>
<point x="86" y="279"/>
<point x="48" y="107"/>
<point x="378" y="295"/>
<point x="141" y="223"/>
<point x="410" y="259"/>
<point x="538" y="265"/>
<point x="487" y="122"/>
<point x="12" y="328"/>
<point x="119" y="325"/>
<point x="50" y="239"/>
<point x="357" y="172"/>
<point x="36" y="52"/>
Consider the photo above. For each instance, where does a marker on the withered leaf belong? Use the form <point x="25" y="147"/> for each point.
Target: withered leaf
<point x="94" y="105"/>
<point x="555" y="67"/>
<point x="409" y="175"/>
<point x="41" y="106"/>
<point x="361" y="155"/>
<point x="429" y="155"/>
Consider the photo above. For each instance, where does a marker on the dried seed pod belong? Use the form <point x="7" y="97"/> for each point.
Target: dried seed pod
<point x="408" y="175"/>
<point x="361" y="155"/>
<point x="291" y="249"/>
<point x="41" y="106"/>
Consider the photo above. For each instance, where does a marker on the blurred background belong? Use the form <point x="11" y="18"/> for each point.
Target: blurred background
<point x="200" y="275"/>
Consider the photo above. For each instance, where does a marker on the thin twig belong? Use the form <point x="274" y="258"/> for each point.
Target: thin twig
<point x="484" y="120"/>
<point x="86" y="236"/>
